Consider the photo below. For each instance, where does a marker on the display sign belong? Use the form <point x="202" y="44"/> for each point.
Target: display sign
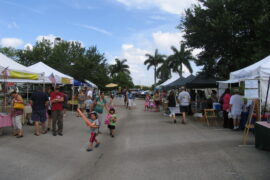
<point x="251" y="84"/>
<point x="65" y="80"/>
<point x="252" y="93"/>
<point x="222" y="85"/>
<point x="23" y="75"/>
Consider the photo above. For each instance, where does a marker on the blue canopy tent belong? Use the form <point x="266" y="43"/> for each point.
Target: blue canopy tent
<point x="78" y="83"/>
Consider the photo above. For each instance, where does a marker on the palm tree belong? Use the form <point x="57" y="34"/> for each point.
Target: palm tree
<point x="164" y="71"/>
<point x="179" y="58"/>
<point x="118" y="67"/>
<point x="154" y="61"/>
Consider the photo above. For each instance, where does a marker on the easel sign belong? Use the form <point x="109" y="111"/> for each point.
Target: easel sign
<point x="255" y="106"/>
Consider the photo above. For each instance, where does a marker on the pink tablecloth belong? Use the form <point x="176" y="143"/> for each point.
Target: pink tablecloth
<point x="5" y="121"/>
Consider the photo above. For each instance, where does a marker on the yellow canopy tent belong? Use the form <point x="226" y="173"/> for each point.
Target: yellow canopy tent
<point x="111" y="85"/>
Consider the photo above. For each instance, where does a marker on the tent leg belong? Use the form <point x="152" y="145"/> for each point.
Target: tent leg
<point x="27" y="92"/>
<point x="72" y="100"/>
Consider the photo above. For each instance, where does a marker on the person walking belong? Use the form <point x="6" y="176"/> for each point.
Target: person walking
<point x="172" y="105"/>
<point x="39" y="101"/>
<point x="57" y="99"/>
<point x="81" y="100"/>
<point x="236" y="105"/>
<point x="99" y="105"/>
<point x="157" y="100"/>
<point x="225" y="101"/>
<point x="89" y="93"/>
<point x="131" y="98"/>
<point x="184" y="101"/>
<point x="17" y="114"/>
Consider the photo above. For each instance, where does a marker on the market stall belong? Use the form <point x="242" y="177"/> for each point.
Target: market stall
<point x="12" y="72"/>
<point x="50" y="73"/>
<point x="255" y="78"/>
<point x="182" y="81"/>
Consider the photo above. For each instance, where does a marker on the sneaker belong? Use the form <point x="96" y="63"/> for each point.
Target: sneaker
<point x="97" y="145"/>
<point x="54" y="134"/>
<point x="89" y="149"/>
<point x="60" y="134"/>
<point x="19" y="136"/>
<point x="235" y="128"/>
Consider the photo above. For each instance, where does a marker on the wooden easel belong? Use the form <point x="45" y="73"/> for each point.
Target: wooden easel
<point x="210" y="114"/>
<point x="255" y="107"/>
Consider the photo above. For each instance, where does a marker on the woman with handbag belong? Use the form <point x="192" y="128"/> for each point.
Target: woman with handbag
<point x="17" y="114"/>
<point x="98" y="106"/>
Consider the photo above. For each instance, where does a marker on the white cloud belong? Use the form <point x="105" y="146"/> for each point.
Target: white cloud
<point x="13" y="25"/>
<point x="11" y="42"/>
<point x="49" y="37"/>
<point x="135" y="59"/>
<point x="155" y="17"/>
<point x="28" y="46"/>
<point x="135" y="56"/>
<point x="170" y="6"/>
<point x="164" y="40"/>
<point x="97" y="29"/>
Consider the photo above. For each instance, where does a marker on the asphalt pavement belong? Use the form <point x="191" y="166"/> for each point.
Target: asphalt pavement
<point x="147" y="146"/>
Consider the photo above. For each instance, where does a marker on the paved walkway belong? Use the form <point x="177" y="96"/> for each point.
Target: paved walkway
<point x="147" y="146"/>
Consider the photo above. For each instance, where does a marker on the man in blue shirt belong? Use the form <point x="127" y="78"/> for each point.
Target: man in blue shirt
<point x="39" y="101"/>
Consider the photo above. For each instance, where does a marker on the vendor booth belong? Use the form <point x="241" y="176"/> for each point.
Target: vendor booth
<point x="182" y="81"/>
<point x="202" y="82"/>
<point x="60" y="78"/>
<point x="255" y="77"/>
<point x="256" y="86"/>
<point x="12" y="72"/>
<point x="174" y="77"/>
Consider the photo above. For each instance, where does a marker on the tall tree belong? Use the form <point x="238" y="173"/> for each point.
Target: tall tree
<point x="179" y="58"/>
<point x="123" y="80"/>
<point x="231" y="33"/>
<point x="154" y="60"/>
<point x="9" y="51"/>
<point x="164" y="71"/>
<point x="119" y="66"/>
<point x="70" y="58"/>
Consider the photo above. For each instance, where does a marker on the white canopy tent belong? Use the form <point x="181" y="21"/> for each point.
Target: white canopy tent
<point x="92" y="84"/>
<point x="23" y="73"/>
<point x="259" y="71"/>
<point x="60" y="77"/>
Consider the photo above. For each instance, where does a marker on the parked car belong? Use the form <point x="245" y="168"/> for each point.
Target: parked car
<point x="142" y="94"/>
<point x="135" y="92"/>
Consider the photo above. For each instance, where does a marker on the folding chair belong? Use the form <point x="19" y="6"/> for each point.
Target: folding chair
<point x="210" y="114"/>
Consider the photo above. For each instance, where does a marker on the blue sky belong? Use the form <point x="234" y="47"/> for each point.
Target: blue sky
<point x="119" y="28"/>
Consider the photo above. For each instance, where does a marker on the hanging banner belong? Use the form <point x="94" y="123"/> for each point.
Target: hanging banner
<point x="65" y="80"/>
<point x="23" y="75"/>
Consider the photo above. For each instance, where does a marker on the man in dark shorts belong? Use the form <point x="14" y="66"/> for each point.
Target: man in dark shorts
<point x="184" y="101"/>
<point x="39" y="101"/>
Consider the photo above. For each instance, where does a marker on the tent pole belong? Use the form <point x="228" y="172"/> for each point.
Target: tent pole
<point x="27" y="92"/>
<point x="72" y="100"/>
<point x="266" y="96"/>
<point x="43" y="81"/>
